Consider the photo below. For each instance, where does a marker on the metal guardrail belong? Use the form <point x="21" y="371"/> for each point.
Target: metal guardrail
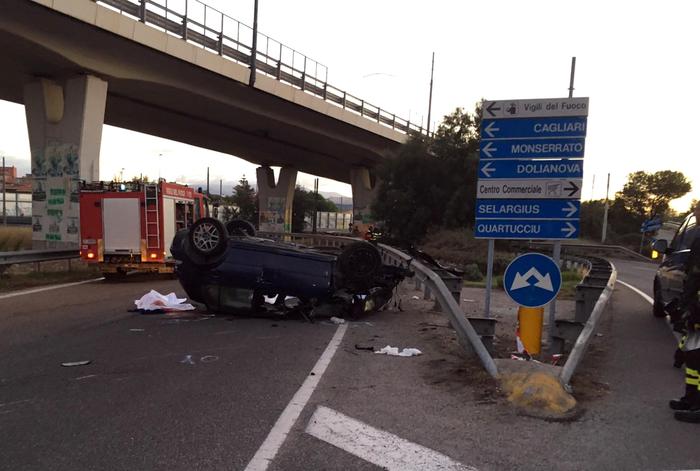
<point x="584" y="337"/>
<point x="590" y="249"/>
<point x="35" y="256"/>
<point x="198" y="23"/>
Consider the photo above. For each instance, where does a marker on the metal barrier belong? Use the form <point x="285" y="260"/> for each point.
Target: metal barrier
<point x="35" y="256"/>
<point x="584" y="338"/>
<point x="198" y="23"/>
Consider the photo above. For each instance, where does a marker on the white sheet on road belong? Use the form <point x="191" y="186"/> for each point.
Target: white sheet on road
<point x="394" y="351"/>
<point x="153" y="301"/>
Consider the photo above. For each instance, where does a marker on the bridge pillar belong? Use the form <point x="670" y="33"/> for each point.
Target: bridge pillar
<point x="364" y="190"/>
<point x="275" y="199"/>
<point x="64" y="121"/>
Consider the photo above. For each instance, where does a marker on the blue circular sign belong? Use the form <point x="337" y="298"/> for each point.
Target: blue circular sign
<point x="532" y="280"/>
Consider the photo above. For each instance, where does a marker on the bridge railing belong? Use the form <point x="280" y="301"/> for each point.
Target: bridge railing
<point x="200" y="24"/>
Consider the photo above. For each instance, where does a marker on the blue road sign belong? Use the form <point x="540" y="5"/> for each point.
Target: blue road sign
<point x="574" y="126"/>
<point x="528" y="209"/>
<point x="566" y="168"/>
<point x="533" y="148"/>
<point x="532" y="280"/>
<point x="526" y="229"/>
<point x="651" y="225"/>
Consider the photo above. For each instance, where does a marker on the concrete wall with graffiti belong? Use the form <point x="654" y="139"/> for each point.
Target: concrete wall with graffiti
<point x="56" y="194"/>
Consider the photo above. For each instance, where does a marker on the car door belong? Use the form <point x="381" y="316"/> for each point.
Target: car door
<point x="672" y="270"/>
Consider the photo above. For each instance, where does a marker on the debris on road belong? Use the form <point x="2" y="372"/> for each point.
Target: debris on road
<point x="364" y="347"/>
<point x="415" y="297"/>
<point x="187" y="360"/>
<point x="137" y="330"/>
<point x="394" y="351"/>
<point x="337" y="320"/>
<point x="76" y="363"/>
<point x="153" y="301"/>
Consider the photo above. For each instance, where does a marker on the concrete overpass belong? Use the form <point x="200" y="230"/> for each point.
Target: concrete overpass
<point x="75" y="64"/>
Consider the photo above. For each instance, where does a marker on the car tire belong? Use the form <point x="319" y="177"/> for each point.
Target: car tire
<point x="359" y="261"/>
<point x="240" y="227"/>
<point x="207" y="237"/>
<point x="658" y="307"/>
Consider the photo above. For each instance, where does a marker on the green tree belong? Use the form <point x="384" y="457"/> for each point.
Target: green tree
<point x="432" y="182"/>
<point x="246" y="198"/>
<point x="303" y="207"/>
<point x="592" y="219"/>
<point x="649" y="194"/>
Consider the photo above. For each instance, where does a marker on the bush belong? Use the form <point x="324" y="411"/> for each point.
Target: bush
<point x="472" y="273"/>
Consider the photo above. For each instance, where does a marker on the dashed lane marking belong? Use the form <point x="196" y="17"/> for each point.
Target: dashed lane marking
<point x="381" y="448"/>
<point x="268" y="450"/>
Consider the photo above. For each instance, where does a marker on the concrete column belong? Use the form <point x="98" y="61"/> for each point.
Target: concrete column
<point x="64" y="121"/>
<point x="364" y="190"/>
<point x="276" y="199"/>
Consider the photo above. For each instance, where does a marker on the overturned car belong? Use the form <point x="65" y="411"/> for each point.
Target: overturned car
<point x="230" y="270"/>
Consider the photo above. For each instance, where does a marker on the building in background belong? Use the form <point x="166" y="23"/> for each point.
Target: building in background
<point x="17" y="193"/>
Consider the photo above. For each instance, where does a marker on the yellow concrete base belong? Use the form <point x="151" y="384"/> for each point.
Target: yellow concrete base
<point x="538" y="393"/>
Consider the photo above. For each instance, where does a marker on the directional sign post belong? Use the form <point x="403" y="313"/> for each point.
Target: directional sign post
<point x="530" y="171"/>
<point x="532" y="280"/>
<point x="531" y="150"/>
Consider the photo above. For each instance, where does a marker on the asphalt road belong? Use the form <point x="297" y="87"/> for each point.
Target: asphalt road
<point x="140" y="404"/>
<point x="163" y="392"/>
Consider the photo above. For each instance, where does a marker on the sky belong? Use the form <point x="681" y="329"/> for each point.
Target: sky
<point x="636" y="60"/>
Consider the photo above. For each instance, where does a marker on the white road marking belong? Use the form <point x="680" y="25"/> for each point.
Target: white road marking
<point x="646" y="297"/>
<point x="47" y="288"/>
<point x="650" y="300"/>
<point x="268" y="450"/>
<point x="381" y="448"/>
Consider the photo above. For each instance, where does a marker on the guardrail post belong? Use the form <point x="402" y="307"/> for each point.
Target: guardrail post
<point x="345" y="98"/>
<point x="379" y="114"/>
<point x="325" y="90"/>
<point x="184" y="22"/>
<point x="142" y="11"/>
<point x="362" y="108"/>
<point x="279" y="69"/>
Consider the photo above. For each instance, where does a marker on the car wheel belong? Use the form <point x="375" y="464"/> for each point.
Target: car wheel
<point x="240" y="227"/>
<point x="359" y="261"/>
<point x="658" y="307"/>
<point x="208" y="237"/>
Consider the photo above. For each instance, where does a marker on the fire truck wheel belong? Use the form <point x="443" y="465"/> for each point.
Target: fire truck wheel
<point x="208" y="237"/>
<point x="240" y="227"/>
<point x="359" y="261"/>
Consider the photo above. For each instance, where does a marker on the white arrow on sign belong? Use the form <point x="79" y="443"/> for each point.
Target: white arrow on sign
<point x="491" y="129"/>
<point x="488" y="170"/>
<point x="488" y="148"/>
<point x="570" y="210"/>
<point x="543" y="281"/>
<point x="568" y="230"/>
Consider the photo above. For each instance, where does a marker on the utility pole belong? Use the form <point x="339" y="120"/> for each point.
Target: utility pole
<point x="430" y="99"/>
<point x="254" y="48"/>
<point x="221" y="187"/>
<point x="556" y="253"/>
<point x="605" y="214"/>
<point x="207" y="181"/>
<point x="4" y="194"/>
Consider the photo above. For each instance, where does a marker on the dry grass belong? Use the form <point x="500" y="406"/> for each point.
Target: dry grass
<point x="15" y="238"/>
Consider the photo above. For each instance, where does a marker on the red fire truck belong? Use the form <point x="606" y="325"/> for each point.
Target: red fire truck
<point x="128" y="227"/>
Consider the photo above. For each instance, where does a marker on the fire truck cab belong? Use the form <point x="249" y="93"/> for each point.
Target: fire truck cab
<point x="128" y="227"/>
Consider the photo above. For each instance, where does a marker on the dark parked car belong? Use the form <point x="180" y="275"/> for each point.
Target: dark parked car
<point x="668" y="282"/>
<point x="228" y="269"/>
